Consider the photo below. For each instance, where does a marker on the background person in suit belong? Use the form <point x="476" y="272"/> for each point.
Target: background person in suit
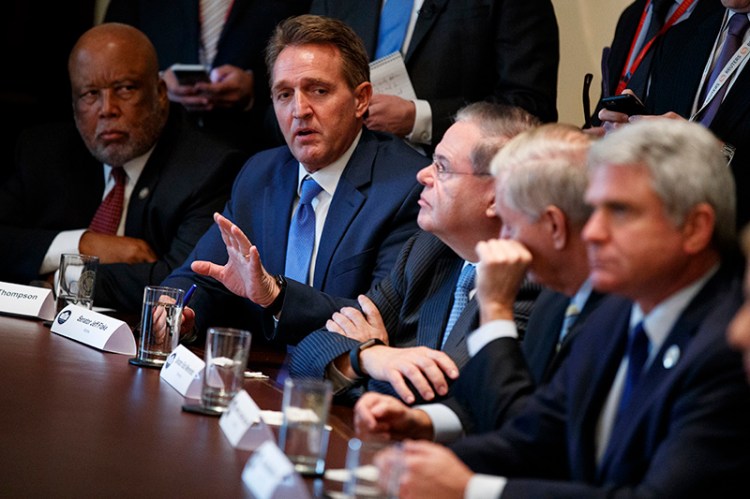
<point x="540" y="180"/>
<point x="365" y="210"/>
<point x="739" y="329"/>
<point x="457" y="52"/>
<point x="174" y="176"/>
<point x="651" y="400"/>
<point x="234" y="105"/>
<point x="413" y="313"/>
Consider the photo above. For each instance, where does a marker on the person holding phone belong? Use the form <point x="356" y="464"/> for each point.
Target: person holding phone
<point x="227" y="38"/>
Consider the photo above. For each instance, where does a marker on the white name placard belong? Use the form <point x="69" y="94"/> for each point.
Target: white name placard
<point x="269" y="473"/>
<point x="27" y="301"/>
<point x="183" y="371"/>
<point x="242" y="423"/>
<point x="94" y="329"/>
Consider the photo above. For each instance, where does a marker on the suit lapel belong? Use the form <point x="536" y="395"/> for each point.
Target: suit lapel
<point x="433" y="316"/>
<point x="346" y="203"/>
<point x="276" y="216"/>
<point x="543" y="331"/>
<point x="428" y="14"/>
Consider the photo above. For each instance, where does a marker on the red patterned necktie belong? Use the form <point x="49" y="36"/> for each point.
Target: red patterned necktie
<point x="107" y="217"/>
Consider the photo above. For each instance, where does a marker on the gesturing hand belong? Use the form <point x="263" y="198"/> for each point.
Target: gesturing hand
<point x="243" y="273"/>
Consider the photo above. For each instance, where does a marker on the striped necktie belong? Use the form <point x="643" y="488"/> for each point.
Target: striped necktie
<point x="107" y="217"/>
<point x="213" y="16"/>
<point x="460" y="298"/>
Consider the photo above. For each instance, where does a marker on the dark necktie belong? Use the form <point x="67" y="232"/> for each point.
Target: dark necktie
<point x="299" y="248"/>
<point x="460" y="298"/>
<point x="571" y="314"/>
<point x="637" y="353"/>
<point x="107" y="217"/>
<point x="737" y="26"/>
<point x="639" y="79"/>
<point x="394" y="19"/>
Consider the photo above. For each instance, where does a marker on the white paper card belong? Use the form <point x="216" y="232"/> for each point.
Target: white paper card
<point x="182" y="371"/>
<point x="94" y="329"/>
<point x="267" y="470"/>
<point x="27" y="301"/>
<point x="388" y="76"/>
<point x="242" y="423"/>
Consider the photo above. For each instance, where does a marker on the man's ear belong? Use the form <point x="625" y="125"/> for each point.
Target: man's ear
<point x="556" y="224"/>
<point x="362" y="96"/>
<point x="698" y="228"/>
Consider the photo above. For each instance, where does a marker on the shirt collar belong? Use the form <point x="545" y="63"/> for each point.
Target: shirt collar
<point x="328" y="177"/>
<point x="132" y="168"/>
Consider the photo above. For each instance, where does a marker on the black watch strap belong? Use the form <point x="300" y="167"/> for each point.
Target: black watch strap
<point x="275" y="306"/>
<point x="354" y="355"/>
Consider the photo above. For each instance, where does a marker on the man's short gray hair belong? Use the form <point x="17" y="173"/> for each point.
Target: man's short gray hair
<point x="545" y="166"/>
<point x="498" y="123"/>
<point x="686" y="166"/>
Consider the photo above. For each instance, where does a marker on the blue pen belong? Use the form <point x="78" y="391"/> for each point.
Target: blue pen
<point x="188" y="295"/>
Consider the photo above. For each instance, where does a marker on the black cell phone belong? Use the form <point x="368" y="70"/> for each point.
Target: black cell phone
<point x="625" y="103"/>
<point x="190" y="74"/>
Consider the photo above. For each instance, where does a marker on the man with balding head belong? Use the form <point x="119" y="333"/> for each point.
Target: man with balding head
<point x="132" y="156"/>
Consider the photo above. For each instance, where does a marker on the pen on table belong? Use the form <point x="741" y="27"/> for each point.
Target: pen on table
<point x="188" y="295"/>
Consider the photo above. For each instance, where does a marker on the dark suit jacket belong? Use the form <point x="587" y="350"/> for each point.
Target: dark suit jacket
<point x="686" y="435"/>
<point x="470" y="50"/>
<point x="499" y="378"/>
<point x="415" y="303"/>
<point x="58" y="185"/>
<point x="675" y="83"/>
<point x="173" y="26"/>
<point x="372" y="213"/>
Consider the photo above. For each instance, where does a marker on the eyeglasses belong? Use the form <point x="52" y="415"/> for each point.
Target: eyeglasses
<point x="443" y="172"/>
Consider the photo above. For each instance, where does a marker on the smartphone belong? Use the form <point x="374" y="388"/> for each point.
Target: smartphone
<point x="190" y="74"/>
<point x="625" y="103"/>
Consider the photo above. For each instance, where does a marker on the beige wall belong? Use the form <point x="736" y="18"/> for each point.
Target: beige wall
<point x="586" y="26"/>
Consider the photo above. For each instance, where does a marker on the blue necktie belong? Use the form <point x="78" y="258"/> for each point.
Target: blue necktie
<point x="571" y="314"/>
<point x="737" y="26"/>
<point x="460" y="298"/>
<point x="299" y="248"/>
<point x="638" y="344"/>
<point x="394" y="19"/>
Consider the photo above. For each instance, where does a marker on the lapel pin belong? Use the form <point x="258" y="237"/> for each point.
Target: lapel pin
<point x="143" y="193"/>
<point x="671" y="356"/>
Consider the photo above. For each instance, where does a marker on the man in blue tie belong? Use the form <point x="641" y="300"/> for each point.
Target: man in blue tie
<point x="329" y="211"/>
<point x="407" y="336"/>
<point x="661" y="236"/>
<point x="540" y="179"/>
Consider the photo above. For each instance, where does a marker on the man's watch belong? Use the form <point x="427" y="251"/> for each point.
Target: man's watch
<point x="354" y="355"/>
<point x="275" y="306"/>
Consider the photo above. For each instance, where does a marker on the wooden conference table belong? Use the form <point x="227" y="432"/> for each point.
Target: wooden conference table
<point x="75" y="421"/>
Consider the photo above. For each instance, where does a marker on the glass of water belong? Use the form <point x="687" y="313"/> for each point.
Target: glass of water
<point x="161" y="317"/>
<point x="75" y="280"/>
<point x="227" y="351"/>
<point x="304" y="436"/>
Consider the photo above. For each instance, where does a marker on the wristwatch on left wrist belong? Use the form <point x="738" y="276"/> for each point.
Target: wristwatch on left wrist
<point x="354" y="355"/>
<point x="275" y="306"/>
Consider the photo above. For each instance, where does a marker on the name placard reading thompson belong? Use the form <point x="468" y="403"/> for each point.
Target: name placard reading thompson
<point x="94" y="329"/>
<point x="27" y="301"/>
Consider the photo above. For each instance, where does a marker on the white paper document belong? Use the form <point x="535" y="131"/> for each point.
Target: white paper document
<point x="388" y="76"/>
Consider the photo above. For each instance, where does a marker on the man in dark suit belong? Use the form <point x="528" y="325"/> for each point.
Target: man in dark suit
<point x="364" y="212"/>
<point x="651" y="401"/>
<point x="174" y="177"/>
<point x="234" y="104"/>
<point x="409" y="329"/>
<point x="540" y="179"/>
<point x="458" y="52"/>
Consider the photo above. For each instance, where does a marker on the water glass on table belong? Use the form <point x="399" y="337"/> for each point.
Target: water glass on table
<point x="75" y="280"/>
<point x="363" y="477"/>
<point x="303" y="436"/>
<point x="161" y="317"/>
<point x="227" y="350"/>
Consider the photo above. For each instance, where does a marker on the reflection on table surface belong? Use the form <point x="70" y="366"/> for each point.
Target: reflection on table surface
<point x="78" y="421"/>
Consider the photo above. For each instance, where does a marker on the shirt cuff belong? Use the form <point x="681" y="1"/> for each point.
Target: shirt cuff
<point x="445" y="423"/>
<point x="485" y="486"/>
<point x="65" y="242"/>
<point x="490" y="332"/>
<point x="339" y="381"/>
<point x="421" y="133"/>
